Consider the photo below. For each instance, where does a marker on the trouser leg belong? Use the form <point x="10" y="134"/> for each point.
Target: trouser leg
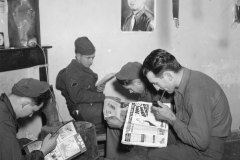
<point x="171" y="136"/>
<point x="89" y="113"/>
<point x="114" y="146"/>
<point x="172" y="152"/>
<point x="93" y="114"/>
<point x="141" y="153"/>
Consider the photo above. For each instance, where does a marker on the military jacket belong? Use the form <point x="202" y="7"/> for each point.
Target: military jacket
<point x="203" y="115"/>
<point x="77" y="84"/>
<point x="10" y="148"/>
<point x="144" y="21"/>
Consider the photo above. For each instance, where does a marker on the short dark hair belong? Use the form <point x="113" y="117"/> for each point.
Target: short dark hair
<point x="125" y="82"/>
<point x="43" y="98"/>
<point x="159" y="61"/>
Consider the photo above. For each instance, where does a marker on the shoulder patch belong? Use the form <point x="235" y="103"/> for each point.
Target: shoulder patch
<point x="73" y="83"/>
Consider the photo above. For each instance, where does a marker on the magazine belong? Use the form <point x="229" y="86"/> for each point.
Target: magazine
<point x="114" y="108"/>
<point x="69" y="143"/>
<point x="141" y="128"/>
<point x="107" y="78"/>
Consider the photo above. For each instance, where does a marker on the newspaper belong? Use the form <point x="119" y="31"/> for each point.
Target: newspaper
<point x="107" y="78"/>
<point x="114" y="108"/>
<point x="141" y="128"/>
<point x="69" y="144"/>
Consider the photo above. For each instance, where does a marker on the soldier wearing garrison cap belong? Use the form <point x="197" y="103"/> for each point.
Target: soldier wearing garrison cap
<point x="77" y="83"/>
<point x="27" y="96"/>
<point x="131" y="78"/>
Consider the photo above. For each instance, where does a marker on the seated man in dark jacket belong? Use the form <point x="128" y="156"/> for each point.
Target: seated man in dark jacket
<point x="27" y="97"/>
<point x="77" y="84"/>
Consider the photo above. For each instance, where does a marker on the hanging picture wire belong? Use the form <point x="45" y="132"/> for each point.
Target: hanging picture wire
<point x="175" y="10"/>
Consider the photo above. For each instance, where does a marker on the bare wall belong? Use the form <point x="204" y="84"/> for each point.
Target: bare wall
<point x="204" y="41"/>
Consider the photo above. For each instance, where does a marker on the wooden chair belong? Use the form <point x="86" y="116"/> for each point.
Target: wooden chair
<point x="101" y="139"/>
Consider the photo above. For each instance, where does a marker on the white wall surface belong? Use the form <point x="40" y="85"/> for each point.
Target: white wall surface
<point x="204" y="41"/>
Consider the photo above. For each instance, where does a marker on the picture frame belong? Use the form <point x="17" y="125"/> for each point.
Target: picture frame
<point x="138" y="15"/>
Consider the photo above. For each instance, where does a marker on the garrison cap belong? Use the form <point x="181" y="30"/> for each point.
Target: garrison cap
<point x="29" y="87"/>
<point x="130" y="71"/>
<point x="84" y="46"/>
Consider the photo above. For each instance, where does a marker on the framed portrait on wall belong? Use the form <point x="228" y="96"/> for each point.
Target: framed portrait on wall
<point x="23" y="22"/>
<point x="138" y="15"/>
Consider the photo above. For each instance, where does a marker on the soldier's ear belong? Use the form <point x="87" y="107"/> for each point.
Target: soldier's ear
<point x="137" y="81"/>
<point x="25" y="102"/>
<point x="168" y="76"/>
<point x="77" y="56"/>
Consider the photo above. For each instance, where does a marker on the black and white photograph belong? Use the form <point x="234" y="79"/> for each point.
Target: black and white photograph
<point x="120" y="79"/>
<point x="138" y="15"/>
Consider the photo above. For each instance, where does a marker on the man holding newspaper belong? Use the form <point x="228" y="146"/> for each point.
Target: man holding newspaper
<point x="77" y="83"/>
<point x="200" y="116"/>
<point x="202" y="119"/>
<point x="131" y="78"/>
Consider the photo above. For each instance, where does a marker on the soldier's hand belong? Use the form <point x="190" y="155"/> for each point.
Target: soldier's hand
<point x="49" y="144"/>
<point x="114" y="122"/>
<point x="163" y="112"/>
<point x="100" y="88"/>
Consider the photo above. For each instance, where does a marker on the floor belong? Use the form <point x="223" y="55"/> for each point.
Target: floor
<point x="232" y="150"/>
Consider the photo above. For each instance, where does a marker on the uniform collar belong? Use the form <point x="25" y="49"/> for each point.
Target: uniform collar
<point x="9" y="108"/>
<point x="149" y="92"/>
<point x="80" y="66"/>
<point x="182" y="87"/>
<point x="143" y="94"/>
<point x="139" y="14"/>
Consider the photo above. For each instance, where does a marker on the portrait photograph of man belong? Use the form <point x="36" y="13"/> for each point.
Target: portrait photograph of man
<point x="138" y="15"/>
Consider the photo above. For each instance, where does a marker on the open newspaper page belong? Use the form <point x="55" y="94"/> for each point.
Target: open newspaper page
<point x="141" y="128"/>
<point x="114" y="108"/>
<point x="69" y="144"/>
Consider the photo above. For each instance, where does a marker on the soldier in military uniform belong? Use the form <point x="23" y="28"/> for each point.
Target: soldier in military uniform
<point x="131" y="78"/>
<point x="77" y="84"/>
<point x="28" y="96"/>
<point x="140" y="19"/>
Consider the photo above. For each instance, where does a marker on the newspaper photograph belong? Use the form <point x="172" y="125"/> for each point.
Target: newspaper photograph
<point x="56" y="154"/>
<point x="149" y="140"/>
<point x="114" y="108"/>
<point x="69" y="147"/>
<point x="141" y="127"/>
<point x="66" y="131"/>
<point x="69" y="143"/>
